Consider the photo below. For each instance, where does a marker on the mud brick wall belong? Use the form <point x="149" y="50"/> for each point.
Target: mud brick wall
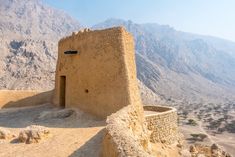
<point x="22" y="98"/>
<point x="101" y="78"/>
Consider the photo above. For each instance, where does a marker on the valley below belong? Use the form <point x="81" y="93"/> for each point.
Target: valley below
<point x="207" y="124"/>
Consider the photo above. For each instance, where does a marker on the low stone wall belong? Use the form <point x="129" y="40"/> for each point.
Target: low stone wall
<point x="158" y="108"/>
<point x="162" y="123"/>
<point x="126" y="134"/>
<point x="21" y="98"/>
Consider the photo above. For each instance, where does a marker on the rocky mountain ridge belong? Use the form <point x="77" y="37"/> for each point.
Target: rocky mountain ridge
<point x="178" y="65"/>
<point x="171" y="65"/>
<point x="29" y="32"/>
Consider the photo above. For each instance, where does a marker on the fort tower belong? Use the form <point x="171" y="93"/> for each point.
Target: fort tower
<point x="96" y="71"/>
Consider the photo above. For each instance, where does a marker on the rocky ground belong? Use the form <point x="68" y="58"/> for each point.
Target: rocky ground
<point x="206" y="124"/>
<point x="50" y="131"/>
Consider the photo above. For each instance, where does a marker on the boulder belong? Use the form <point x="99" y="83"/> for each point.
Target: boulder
<point x="192" y="149"/>
<point x="214" y="146"/>
<point x="5" y="134"/>
<point x="33" y="134"/>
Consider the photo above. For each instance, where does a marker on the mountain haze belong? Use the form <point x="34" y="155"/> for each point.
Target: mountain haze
<point x="29" y="33"/>
<point x="171" y="65"/>
<point x="181" y="65"/>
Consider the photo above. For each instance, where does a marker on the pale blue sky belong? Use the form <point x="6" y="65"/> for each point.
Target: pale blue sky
<point x="208" y="17"/>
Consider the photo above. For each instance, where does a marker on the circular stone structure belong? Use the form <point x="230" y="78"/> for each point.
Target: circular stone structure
<point x="162" y="123"/>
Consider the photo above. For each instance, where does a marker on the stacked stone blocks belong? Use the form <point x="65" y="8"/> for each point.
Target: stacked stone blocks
<point x="162" y="124"/>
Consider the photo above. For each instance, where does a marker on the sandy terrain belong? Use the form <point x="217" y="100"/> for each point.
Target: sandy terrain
<point x="210" y="120"/>
<point x="77" y="135"/>
<point x="226" y="140"/>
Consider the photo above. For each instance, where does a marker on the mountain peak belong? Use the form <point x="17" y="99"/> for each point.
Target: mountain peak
<point x="29" y="32"/>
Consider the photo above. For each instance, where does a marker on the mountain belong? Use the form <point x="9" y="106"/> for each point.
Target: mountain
<point x="29" y="32"/>
<point x="179" y="65"/>
<point x="171" y="65"/>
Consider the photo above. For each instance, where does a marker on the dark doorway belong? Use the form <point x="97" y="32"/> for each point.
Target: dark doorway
<point x="62" y="91"/>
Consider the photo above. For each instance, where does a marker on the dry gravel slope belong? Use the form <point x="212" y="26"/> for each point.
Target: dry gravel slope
<point x="179" y="65"/>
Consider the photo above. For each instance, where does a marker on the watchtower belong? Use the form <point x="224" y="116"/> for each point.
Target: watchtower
<point x="96" y="71"/>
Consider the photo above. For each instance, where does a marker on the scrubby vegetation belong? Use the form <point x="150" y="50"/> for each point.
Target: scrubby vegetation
<point x="198" y="137"/>
<point x="192" y="122"/>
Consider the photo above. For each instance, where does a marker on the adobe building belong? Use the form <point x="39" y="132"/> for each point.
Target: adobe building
<point x="96" y="71"/>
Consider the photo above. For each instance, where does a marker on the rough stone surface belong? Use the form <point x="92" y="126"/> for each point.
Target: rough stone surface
<point x="214" y="146"/>
<point x="192" y="149"/>
<point x="162" y="124"/>
<point x="209" y="151"/>
<point x="126" y="135"/>
<point x="5" y="134"/>
<point x="33" y="134"/>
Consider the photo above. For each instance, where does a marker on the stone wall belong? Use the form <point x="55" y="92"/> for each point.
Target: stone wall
<point x="162" y="124"/>
<point x="101" y="77"/>
<point x="158" y="109"/>
<point x="126" y="134"/>
<point x="22" y="98"/>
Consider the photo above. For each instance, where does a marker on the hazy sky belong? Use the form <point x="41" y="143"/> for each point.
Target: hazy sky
<point x="208" y="17"/>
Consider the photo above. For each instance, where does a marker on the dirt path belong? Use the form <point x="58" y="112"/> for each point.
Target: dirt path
<point x="226" y="140"/>
<point x="202" y="130"/>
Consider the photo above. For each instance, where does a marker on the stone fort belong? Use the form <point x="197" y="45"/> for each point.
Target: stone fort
<point x="96" y="72"/>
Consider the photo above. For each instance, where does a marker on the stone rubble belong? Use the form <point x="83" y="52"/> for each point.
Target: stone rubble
<point x="5" y="134"/>
<point x="33" y="134"/>
<point x="208" y="151"/>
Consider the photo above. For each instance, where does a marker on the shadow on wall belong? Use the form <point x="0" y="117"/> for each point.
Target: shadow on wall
<point x="14" y="98"/>
<point x="92" y="147"/>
